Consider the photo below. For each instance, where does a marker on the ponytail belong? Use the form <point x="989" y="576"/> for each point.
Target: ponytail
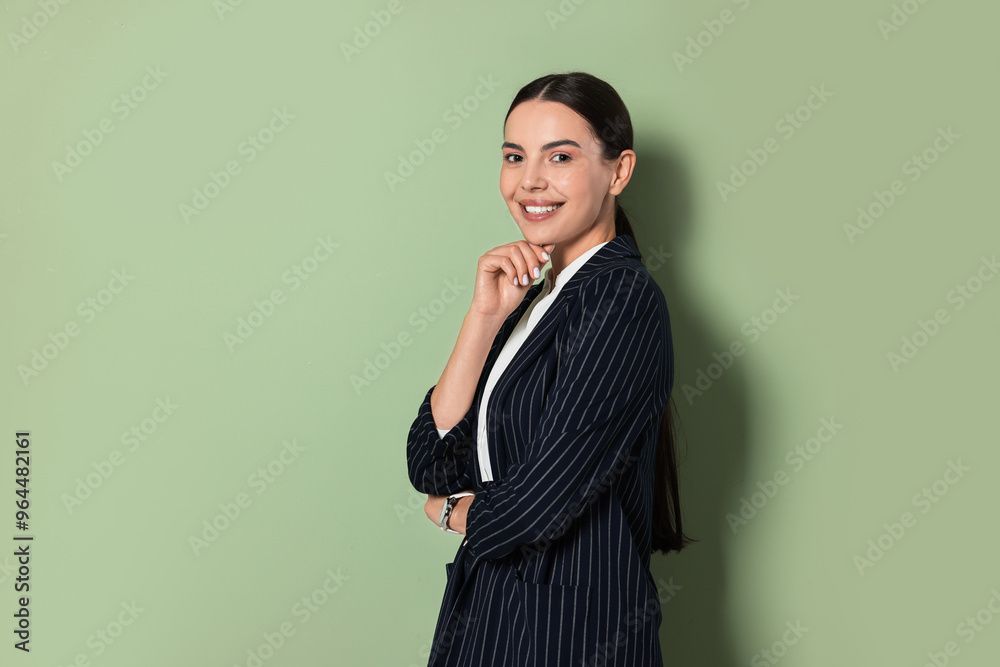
<point x="668" y="534"/>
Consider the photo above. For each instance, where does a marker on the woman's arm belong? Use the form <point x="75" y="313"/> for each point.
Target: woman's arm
<point x="502" y="279"/>
<point x="453" y="394"/>
<point x="440" y="463"/>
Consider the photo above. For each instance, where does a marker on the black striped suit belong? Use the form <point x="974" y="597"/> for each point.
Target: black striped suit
<point x="555" y="566"/>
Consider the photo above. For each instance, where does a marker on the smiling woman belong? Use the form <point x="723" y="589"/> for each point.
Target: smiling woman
<point x="548" y="440"/>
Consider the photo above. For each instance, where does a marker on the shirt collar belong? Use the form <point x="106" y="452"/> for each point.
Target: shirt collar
<point x="568" y="270"/>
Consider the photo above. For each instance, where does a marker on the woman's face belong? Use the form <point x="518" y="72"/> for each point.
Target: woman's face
<point x="551" y="158"/>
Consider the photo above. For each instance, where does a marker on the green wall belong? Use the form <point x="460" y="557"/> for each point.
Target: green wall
<point x="171" y="170"/>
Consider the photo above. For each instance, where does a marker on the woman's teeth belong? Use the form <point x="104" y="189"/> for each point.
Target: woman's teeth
<point x="541" y="209"/>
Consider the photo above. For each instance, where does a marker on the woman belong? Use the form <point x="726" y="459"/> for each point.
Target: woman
<point x="547" y="441"/>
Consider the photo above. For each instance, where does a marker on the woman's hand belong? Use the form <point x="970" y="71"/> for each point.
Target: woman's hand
<point x="503" y="277"/>
<point x="432" y="508"/>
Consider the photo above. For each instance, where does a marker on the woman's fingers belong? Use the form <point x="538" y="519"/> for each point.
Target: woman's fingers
<point x="525" y="261"/>
<point x="535" y="258"/>
<point x="514" y="263"/>
<point x="518" y="266"/>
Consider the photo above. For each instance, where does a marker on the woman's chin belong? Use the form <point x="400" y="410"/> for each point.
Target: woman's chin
<point x="532" y="235"/>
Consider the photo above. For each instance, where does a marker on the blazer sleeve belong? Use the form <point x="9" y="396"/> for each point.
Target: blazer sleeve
<point x="609" y="364"/>
<point x="438" y="464"/>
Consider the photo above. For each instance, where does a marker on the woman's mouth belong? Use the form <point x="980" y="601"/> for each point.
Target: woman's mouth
<point x="536" y="213"/>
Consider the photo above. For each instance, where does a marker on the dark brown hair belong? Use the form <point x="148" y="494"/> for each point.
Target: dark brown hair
<point x="600" y="105"/>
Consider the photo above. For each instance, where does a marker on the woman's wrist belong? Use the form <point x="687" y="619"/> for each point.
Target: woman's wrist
<point x="484" y="325"/>
<point x="459" y="513"/>
<point x="456" y="520"/>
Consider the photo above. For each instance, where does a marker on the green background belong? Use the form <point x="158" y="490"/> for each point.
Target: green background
<point x="340" y="512"/>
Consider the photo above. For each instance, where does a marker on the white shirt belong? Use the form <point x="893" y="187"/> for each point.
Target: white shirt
<point x="514" y="342"/>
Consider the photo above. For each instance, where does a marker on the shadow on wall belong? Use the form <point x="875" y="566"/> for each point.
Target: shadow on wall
<point x="711" y="428"/>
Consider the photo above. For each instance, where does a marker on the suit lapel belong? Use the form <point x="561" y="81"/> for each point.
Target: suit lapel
<point x="501" y="338"/>
<point x="615" y="252"/>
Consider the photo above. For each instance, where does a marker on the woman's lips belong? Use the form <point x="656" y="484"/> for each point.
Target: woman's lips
<point x="536" y="217"/>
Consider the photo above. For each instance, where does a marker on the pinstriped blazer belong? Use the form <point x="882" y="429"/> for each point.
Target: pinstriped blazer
<point x="554" y="569"/>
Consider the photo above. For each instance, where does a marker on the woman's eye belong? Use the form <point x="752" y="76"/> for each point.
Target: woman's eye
<point x="514" y="157"/>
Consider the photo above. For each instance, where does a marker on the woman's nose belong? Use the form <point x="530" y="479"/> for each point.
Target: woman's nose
<point x="532" y="177"/>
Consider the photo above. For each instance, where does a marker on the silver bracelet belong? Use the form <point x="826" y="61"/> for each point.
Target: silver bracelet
<point x="449" y="505"/>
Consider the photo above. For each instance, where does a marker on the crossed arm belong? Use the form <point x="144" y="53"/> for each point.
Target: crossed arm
<point x="605" y="391"/>
<point x="457" y="519"/>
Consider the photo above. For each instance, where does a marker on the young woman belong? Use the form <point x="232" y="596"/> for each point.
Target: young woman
<point x="548" y="439"/>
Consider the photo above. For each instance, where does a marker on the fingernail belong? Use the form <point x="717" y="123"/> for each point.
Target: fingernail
<point x="524" y="279"/>
<point x="537" y="271"/>
<point x="545" y="255"/>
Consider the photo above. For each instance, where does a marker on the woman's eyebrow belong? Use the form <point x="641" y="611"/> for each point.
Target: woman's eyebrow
<point x="551" y="144"/>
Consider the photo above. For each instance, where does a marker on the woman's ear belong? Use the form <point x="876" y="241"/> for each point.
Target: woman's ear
<point x="623" y="171"/>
